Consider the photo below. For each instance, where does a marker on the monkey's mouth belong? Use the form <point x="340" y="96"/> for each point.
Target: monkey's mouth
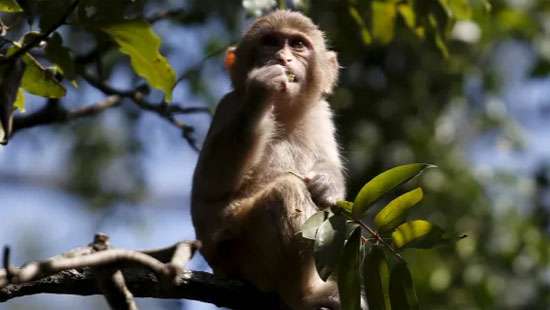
<point x="291" y="77"/>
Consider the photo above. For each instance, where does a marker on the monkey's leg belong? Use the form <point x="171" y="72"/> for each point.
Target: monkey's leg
<point x="263" y="244"/>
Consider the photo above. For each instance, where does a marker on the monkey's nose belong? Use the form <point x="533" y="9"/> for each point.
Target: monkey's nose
<point x="283" y="58"/>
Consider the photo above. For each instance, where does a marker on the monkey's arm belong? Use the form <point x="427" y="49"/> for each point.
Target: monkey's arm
<point x="233" y="146"/>
<point x="240" y="131"/>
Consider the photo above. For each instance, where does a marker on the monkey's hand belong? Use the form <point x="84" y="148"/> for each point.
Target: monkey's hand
<point x="267" y="81"/>
<point x="322" y="189"/>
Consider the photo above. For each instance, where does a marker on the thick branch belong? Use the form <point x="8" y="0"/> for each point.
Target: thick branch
<point x="193" y="285"/>
<point x="122" y="274"/>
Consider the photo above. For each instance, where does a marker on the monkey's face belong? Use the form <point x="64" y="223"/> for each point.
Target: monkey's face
<point x="290" y="49"/>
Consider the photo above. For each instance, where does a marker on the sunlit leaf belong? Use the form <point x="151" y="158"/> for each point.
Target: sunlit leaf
<point x="375" y="279"/>
<point x="10" y="79"/>
<point x="10" y="6"/>
<point x="438" y="26"/>
<point x="384" y="183"/>
<point x="347" y="206"/>
<point x="137" y="40"/>
<point x="446" y="7"/>
<point x="349" y="275"/>
<point x="402" y="292"/>
<point x="407" y="13"/>
<point x="329" y="241"/>
<point x="417" y="234"/>
<point x="37" y="80"/>
<point x="383" y="20"/>
<point x="19" y="103"/>
<point x="394" y="212"/>
<point x="60" y="55"/>
<point x="460" y="9"/>
<point x="365" y="34"/>
<point x="487" y="5"/>
<point x="510" y="20"/>
<point x="309" y="229"/>
<point x="441" y="45"/>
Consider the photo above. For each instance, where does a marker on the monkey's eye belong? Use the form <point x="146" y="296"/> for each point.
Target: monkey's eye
<point x="269" y="40"/>
<point x="297" y="43"/>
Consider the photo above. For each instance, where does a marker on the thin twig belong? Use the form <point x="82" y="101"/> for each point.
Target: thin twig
<point x="137" y="96"/>
<point x="189" y="71"/>
<point x="164" y="14"/>
<point x="7" y="268"/>
<point x="378" y="238"/>
<point x="110" y="280"/>
<point x="53" y="112"/>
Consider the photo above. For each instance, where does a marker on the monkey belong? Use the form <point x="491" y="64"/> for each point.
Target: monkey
<point x="270" y="160"/>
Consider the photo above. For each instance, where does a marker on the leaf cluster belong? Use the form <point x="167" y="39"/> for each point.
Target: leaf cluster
<point x="368" y="258"/>
<point x="120" y="21"/>
<point x="430" y="20"/>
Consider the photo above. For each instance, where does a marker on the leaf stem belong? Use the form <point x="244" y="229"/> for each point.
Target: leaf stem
<point x="378" y="238"/>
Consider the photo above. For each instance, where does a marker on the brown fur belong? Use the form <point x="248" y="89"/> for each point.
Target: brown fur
<point x="247" y="207"/>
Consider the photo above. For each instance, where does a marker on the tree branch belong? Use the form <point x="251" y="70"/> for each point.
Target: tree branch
<point x="125" y="274"/>
<point x="164" y="110"/>
<point x="194" y="285"/>
<point x="166" y="14"/>
<point x="110" y="280"/>
<point x="41" y="36"/>
<point x="53" y="113"/>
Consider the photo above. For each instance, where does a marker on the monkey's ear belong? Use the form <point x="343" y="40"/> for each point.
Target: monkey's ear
<point x="332" y="71"/>
<point x="230" y="58"/>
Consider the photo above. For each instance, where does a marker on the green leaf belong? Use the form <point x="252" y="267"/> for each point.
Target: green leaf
<point x="349" y="276"/>
<point x="384" y="183"/>
<point x="417" y="234"/>
<point x="460" y="9"/>
<point x="375" y="279"/>
<point x="408" y="15"/>
<point x="346" y="206"/>
<point x="60" y="55"/>
<point x="309" y="229"/>
<point x="440" y="44"/>
<point x="402" y="292"/>
<point x="137" y="40"/>
<point x="365" y="34"/>
<point x="10" y="6"/>
<point x="19" y="103"/>
<point x="329" y="241"/>
<point x="394" y="212"/>
<point x="383" y="20"/>
<point x="487" y="5"/>
<point x="11" y="74"/>
<point x="37" y="80"/>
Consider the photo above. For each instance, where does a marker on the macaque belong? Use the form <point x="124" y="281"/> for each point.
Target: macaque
<point x="271" y="160"/>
